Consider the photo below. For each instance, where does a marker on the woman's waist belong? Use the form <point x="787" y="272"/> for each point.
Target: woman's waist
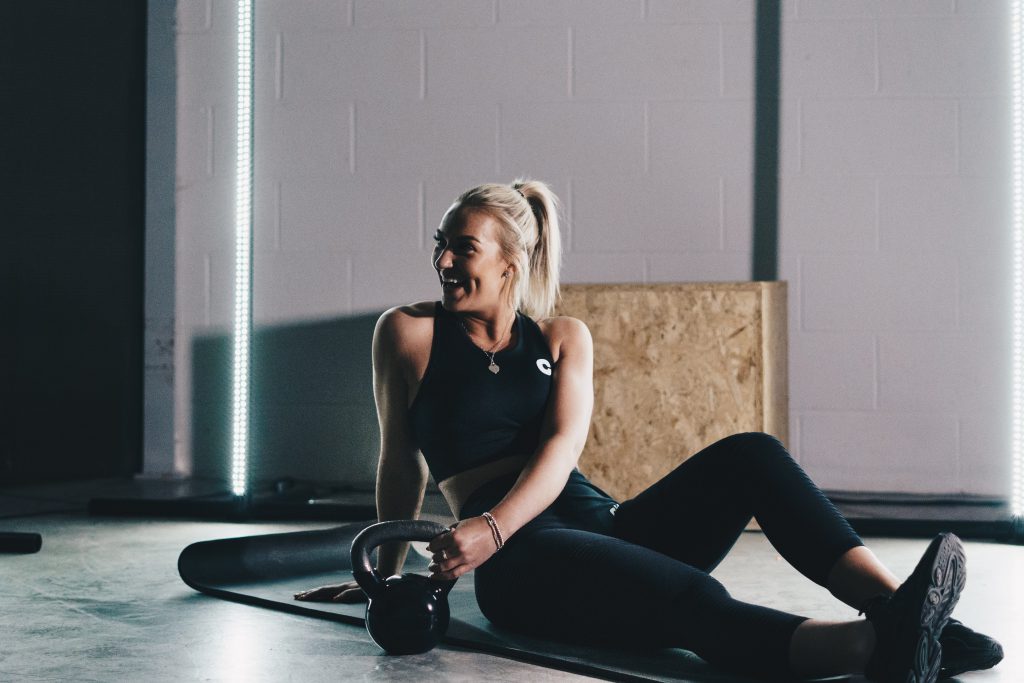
<point x="461" y="486"/>
<point x="579" y="493"/>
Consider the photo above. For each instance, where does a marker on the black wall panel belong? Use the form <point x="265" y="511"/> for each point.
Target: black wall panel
<point x="72" y="234"/>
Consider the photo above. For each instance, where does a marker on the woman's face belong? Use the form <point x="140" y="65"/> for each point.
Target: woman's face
<point x="468" y="261"/>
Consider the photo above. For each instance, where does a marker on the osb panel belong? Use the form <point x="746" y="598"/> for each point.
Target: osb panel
<point x="677" y="367"/>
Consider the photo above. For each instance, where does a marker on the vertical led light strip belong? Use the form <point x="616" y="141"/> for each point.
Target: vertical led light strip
<point x="1017" y="34"/>
<point x="243" y="254"/>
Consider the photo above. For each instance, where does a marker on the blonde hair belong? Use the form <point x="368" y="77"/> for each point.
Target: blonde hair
<point x="527" y="211"/>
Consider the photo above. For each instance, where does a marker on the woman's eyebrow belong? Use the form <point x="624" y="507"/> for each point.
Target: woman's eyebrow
<point x="457" y="238"/>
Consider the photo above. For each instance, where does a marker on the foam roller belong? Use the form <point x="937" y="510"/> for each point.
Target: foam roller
<point x="20" y="542"/>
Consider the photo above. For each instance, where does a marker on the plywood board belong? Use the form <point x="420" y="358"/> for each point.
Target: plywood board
<point x="676" y="367"/>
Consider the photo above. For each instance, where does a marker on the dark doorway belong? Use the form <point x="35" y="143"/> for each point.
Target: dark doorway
<point x="72" y="234"/>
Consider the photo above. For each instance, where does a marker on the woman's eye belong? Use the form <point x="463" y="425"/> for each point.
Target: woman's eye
<point x="465" y="248"/>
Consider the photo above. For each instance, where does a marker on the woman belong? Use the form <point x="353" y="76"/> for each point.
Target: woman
<point x="493" y="398"/>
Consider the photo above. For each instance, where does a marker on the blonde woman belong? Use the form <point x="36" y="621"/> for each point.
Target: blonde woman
<point x="487" y="393"/>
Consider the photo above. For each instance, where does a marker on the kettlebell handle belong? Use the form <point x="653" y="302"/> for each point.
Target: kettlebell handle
<point x="365" y="574"/>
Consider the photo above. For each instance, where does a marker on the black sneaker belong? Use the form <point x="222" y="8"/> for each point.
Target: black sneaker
<point x="908" y="622"/>
<point x="966" y="650"/>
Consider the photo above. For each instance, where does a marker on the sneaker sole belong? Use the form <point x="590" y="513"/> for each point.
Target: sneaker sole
<point x="948" y="575"/>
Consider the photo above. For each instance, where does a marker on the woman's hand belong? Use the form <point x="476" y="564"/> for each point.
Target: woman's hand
<point x="342" y="592"/>
<point x="461" y="549"/>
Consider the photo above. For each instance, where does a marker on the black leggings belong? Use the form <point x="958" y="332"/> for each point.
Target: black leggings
<point x="636" y="575"/>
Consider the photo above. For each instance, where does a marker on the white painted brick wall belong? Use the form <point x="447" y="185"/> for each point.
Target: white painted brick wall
<point x="895" y="234"/>
<point x="879" y="136"/>
<point x="943" y="56"/>
<point x="901" y="451"/>
<point x="701" y="139"/>
<point x="372" y="115"/>
<point x="829" y="58"/>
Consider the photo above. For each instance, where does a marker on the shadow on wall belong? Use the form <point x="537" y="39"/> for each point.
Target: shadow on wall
<point x="313" y="414"/>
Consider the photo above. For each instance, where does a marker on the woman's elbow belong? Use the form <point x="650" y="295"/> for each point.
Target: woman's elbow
<point x="569" y="445"/>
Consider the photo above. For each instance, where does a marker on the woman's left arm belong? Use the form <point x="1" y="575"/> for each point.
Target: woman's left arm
<point x="563" y="435"/>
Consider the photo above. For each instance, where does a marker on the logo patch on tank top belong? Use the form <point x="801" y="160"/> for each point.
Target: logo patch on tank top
<point x="544" y="366"/>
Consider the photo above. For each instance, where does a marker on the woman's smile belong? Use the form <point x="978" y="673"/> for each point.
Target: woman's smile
<point x="451" y="284"/>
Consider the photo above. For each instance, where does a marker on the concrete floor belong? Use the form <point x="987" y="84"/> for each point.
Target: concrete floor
<point x="103" y="601"/>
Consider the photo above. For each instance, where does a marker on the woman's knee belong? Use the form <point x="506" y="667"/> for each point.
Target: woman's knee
<point x="752" y="447"/>
<point x="696" y="609"/>
<point x="754" y="440"/>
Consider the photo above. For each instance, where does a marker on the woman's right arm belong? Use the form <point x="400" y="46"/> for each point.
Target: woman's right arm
<point x="401" y="469"/>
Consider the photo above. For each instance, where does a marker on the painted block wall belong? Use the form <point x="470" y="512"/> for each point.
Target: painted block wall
<point x="371" y="116"/>
<point x="895" y="238"/>
<point x="161" y="160"/>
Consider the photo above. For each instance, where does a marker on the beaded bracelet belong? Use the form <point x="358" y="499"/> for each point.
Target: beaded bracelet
<point x="494" y="529"/>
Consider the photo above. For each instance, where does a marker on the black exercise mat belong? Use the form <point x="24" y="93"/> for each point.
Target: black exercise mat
<point x="268" y="570"/>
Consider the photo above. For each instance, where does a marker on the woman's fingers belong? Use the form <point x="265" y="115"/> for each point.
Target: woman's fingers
<point x="442" y="540"/>
<point x="350" y="592"/>
<point x="457" y="569"/>
<point x="351" y="595"/>
<point x="315" y="594"/>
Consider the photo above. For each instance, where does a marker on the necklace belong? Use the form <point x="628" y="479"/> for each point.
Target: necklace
<point x="493" y="367"/>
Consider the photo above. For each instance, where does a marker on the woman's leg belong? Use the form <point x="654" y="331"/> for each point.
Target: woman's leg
<point x="828" y="648"/>
<point x="579" y="586"/>
<point x="696" y="512"/>
<point x="859" y="575"/>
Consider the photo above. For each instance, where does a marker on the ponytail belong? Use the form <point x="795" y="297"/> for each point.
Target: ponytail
<point x="539" y="293"/>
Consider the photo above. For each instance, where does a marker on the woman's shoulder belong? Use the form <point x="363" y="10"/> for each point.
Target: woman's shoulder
<point x="407" y="314"/>
<point x="564" y="331"/>
<point x="563" y="325"/>
<point x="406" y="327"/>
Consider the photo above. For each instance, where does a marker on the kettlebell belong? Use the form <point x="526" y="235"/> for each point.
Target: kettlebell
<point x="406" y="614"/>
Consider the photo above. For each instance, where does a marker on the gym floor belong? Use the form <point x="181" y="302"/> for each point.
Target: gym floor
<point x="102" y="601"/>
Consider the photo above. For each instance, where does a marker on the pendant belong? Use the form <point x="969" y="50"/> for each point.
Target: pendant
<point x="493" y="367"/>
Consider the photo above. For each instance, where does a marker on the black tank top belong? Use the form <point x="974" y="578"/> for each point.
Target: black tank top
<point x="463" y="414"/>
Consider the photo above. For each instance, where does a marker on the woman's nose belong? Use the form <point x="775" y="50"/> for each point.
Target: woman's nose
<point x="443" y="260"/>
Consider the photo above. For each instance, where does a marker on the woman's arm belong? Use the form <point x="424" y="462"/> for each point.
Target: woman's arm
<point x="401" y="470"/>
<point x="564" y="433"/>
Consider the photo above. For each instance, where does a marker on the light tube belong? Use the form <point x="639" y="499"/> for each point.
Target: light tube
<point x="1017" y="490"/>
<point x="243" y="254"/>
